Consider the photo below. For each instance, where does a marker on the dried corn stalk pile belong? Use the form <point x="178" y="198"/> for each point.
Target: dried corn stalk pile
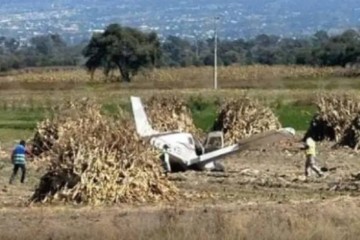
<point x="45" y="136"/>
<point x="244" y="117"/>
<point x="46" y="133"/>
<point x="351" y="136"/>
<point x="335" y="115"/>
<point x="169" y="114"/>
<point x="98" y="160"/>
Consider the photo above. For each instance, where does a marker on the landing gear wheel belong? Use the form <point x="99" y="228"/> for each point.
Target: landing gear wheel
<point x="218" y="167"/>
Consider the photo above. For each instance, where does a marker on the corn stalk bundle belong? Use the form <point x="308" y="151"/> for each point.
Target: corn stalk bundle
<point x="46" y="133"/>
<point x="334" y="117"/>
<point x="45" y="136"/>
<point x="240" y="118"/>
<point x="170" y="114"/>
<point x="351" y="136"/>
<point x="98" y="160"/>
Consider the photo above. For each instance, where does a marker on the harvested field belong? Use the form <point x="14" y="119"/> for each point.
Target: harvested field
<point x="253" y="77"/>
<point x="327" y="220"/>
<point x="261" y="195"/>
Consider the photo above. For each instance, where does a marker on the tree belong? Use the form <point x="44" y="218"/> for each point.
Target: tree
<point x="48" y="45"/>
<point x="231" y="57"/>
<point x="124" y="48"/>
<point x="321" y="37"/>
<point x="178" y="52"/>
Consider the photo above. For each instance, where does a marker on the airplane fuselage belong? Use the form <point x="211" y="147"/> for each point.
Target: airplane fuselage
<point x="184" y="150"/>
<point x="181" y="147"/>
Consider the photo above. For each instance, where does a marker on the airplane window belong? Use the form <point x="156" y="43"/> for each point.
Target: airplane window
<point x="215" y="142"/>
<point x="190" y="141"/>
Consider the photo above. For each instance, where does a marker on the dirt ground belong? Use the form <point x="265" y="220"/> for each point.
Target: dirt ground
<point x="257" y="188"/>
<point x="278" y="175"/>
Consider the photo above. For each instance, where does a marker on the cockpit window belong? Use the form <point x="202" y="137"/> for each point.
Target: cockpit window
<point x="190" y="140"/>
<point x="214" y="141"/>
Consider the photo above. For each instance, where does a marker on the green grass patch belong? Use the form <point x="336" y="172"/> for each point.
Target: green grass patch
<point x="116" y="110"/>
<point x="18" y="125"/>
<point x="10" y="136"/>
<point x="324" y="83"/>
<point x="295" y="115"/>
<point x="110" y="108"/>
<point x="291" y="114"/>
<point x="22" y="114"/>
<point x="204" y="112"/>
<point x="20" y="119"/>
<point x="13" y="122"/>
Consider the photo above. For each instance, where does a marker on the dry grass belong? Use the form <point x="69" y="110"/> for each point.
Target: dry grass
<point x="19" y="99"/>
<point x="240" y="217"/>
<point x="330" y="220"/>
<point x="254" y="76"/>
<point x="254" y="212"/>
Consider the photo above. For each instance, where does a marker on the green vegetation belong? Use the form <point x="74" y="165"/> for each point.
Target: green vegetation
<point x="129" y="50"/>
<point x="9" y="135"/>
<point x="20" y="118"/>
<point x="110" y="109"/>
<point x="291" y="114"/>
<point x="123" y="48"/>
<point x="46" y="50"/>
<point x="324" y="83"/>
<point x="20" y="122"/>
<point x="296" y="116"/>
<point x="203" y="111"/>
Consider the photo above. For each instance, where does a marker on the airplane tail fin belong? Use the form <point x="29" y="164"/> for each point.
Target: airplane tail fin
<point x="143" y="127"/>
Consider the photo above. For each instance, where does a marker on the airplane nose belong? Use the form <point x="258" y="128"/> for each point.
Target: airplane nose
<point x="289" y="130"/>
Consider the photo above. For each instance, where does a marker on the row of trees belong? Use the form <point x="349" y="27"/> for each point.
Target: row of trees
<point x="319" y="49"/>
<point x="128" y="50"/>
<point x="40" y="51"/>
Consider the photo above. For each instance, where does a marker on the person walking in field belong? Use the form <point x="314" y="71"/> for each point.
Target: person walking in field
<point x="310" y="164"/>
<point x="18" y="158"/>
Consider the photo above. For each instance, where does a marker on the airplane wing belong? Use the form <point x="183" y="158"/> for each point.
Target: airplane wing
<point x="252" y="142"/>
<point x="266" y="138"/>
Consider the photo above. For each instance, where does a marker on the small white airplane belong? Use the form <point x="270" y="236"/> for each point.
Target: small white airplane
<point x="182" y="151"/>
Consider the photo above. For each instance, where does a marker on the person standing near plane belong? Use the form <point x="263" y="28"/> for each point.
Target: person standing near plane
<point x="18" y="159"/>
<point x="310" y="163"/>
<point x="167" y="158"/>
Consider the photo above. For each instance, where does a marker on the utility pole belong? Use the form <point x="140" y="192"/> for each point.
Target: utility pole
<point x="215" y="52"/>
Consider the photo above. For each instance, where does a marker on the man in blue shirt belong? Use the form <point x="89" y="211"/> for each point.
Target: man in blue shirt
<point x="19" y="161"/>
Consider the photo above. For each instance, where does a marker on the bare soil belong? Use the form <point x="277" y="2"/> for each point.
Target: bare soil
<point x="277" y="175"/>
<point x="261" y="195"/>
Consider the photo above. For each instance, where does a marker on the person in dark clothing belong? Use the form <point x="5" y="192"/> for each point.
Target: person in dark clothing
<point x="18" y="158"/>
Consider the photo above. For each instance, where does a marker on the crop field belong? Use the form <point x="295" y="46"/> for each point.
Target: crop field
<point x="262" y="194"/>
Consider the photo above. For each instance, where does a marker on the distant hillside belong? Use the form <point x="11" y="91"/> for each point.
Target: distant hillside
<point x="187" y="18"/>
